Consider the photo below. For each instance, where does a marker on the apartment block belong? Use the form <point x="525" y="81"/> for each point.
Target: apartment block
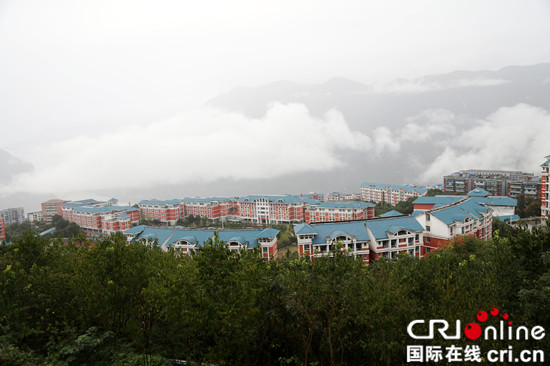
<point x="2" y="231"/>
<point x="13" y="215"/>
<point x="366" y="240"/>
<point x="390" y="193"/>
<point x="188" y="241"/>
<point x="496" y="182"/>
<point x="545" y="189"/>
<point x="98" y="218"/>
<point x="265" y="209"/>
<point x="51" y="208"/>
<point x="339" y="211"/>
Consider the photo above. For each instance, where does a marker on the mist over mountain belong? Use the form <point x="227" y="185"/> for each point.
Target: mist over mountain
<point x="470" y="93"/>
<point x="294" y="138"/>
<point x="11" y="165"/>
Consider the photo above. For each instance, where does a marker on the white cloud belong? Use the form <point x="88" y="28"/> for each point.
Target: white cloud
<point x="426" y="125"/>
<point x="200" y="145"/>
<point x="512" y="138"/>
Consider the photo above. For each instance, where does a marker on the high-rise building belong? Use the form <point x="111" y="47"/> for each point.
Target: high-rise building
<point x="496" y="182"/>
<point x="390" y="193"/>
<point x="51" y="208"/>
<point x="13" y="215"/>
<point x="2" y="231"/>
<point x="545" y="189"/>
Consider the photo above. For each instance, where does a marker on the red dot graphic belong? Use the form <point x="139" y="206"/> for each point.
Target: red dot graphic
<point x="494" y="311"/>
<point x="510" y="322"/>
<point x="482" y="316"/>
<point x="505" y="316"/>
<point x="472" y="331"/>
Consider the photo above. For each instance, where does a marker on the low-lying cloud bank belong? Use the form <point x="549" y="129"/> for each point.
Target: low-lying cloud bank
<point x="199" y="145"/>
<point x="512" y="138"/>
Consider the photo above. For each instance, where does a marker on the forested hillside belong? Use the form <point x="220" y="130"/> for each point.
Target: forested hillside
<point x="116" y="304"/>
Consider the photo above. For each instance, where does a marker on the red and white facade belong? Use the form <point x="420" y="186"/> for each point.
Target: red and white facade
<point x="2" y="230"/>
<point x="339" y="211"/>
<point x="446" y="222"/>
<point x="168" y="211"/>
<point x="211" y="208"/>
<point x="100" y="218"/>
<point x="50" y="208"/>
<point x="367" y="240"/>
<point x="271" y="209"/>
<point x="545" y="189"/>
<point x="389" y="193"/>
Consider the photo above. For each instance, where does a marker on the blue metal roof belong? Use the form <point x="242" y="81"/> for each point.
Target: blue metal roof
<point x="391" y="213"/>
<point x="460" y="212"/>
<point x="496" y="201"/>
<point x="347" y="204"/>
<point x="304" y="229"/>
<point x="107" y="209"/>
<point x="380" y="228"/>
<point x="478" y="192"/>
<point x="268" y="233"/>
<point x="333" y="229"/>
<point x="168" y="237"/>
<point x="508" y="218"/>
<point x="445" y="200"/>
<point x="420" y="190"/>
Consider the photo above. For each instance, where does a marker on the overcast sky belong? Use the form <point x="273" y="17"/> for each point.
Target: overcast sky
<point x="76" y="70"/>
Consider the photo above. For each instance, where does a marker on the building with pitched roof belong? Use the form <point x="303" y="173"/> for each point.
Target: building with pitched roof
<point x="189" y="241"/>
<point x="213" y="208"/>
<point x="545" y="189"/>
<point x="449" y="217"/>
<point x="97" y="218"/>
<point x="166" y="211"/>
<point x="339" y="211"/>
<point x="265" y="209"/>
<point x="367" y="240"/>
<point x="390" y="193"/>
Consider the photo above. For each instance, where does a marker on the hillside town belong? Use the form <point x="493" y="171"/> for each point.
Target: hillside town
<point x="468" y="202"/>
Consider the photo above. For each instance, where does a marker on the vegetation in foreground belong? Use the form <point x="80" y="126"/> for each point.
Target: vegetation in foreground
<point x="118" y="304"/>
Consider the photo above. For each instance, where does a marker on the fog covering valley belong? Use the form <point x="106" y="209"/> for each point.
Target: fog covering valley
<point x="287" y="137"/>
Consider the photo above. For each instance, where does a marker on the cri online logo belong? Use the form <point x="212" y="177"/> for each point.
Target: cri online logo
<point x="473" y="331"/>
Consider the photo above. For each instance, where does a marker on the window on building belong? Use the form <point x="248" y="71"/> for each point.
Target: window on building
<point x="428" y="239"/>
<point x="427" y="217"/>
<point x="427" y="228"/>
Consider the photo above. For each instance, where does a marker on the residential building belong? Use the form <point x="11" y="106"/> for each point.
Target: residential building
<point x="501" y="206"/>
<point x="265" y="209"/>
<point x="445" y="218"/>
<point x="496" y="182"/>
<point x="342" y="196"/>
<point x="339" y="211"/>
<point x="367" y="240"/>
<point x="51" y="208"/>
<point x="545" y="189"/>
<point x="312" y="196"/>
<point x="167" y="211"/>
<point x="13" y="215"/>
<point x="213" y="208"/>
<point x="35" y="216"/>
<point x="98" y="218"/>
<point x="189" y="241"/>
<point x="390" y="193"/>
<point x="2" y="230"/>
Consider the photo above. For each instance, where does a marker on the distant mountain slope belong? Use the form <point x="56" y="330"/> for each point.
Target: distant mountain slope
<point x="10" y="166"/>
<point x="473" y="93"/>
